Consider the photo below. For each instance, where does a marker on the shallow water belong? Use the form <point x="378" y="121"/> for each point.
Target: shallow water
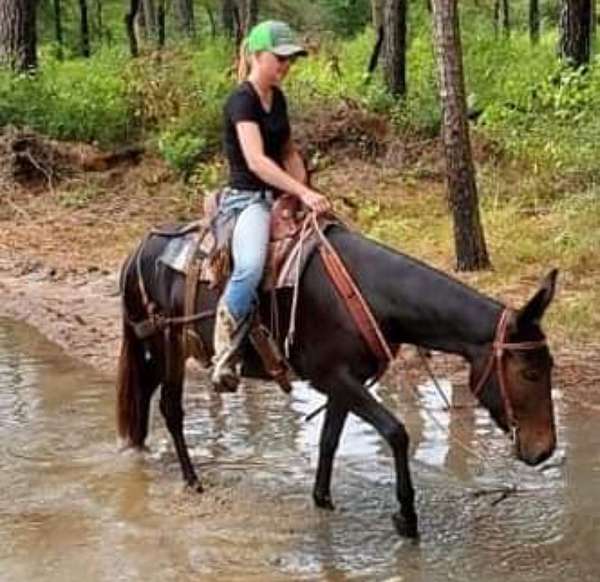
<point x="73" y="508"/>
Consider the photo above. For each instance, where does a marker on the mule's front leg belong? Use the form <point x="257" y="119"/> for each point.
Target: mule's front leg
<point x="335" y="416"/>
<point x="371" y="411"/>
<point x="172" y="411"/>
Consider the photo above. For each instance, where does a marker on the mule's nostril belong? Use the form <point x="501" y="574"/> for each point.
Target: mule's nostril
<point x="534" y="460"/>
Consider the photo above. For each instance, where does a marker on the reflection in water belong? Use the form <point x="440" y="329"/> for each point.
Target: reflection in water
<point x="71" y="507"/>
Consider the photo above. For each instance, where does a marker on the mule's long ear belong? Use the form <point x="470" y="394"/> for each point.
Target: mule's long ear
<point x="534" y="310"/>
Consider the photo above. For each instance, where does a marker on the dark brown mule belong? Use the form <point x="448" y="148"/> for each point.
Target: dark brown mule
<point x="412" y="302"/>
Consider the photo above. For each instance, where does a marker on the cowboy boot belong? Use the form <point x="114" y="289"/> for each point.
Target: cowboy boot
<point x="228" y="336"/>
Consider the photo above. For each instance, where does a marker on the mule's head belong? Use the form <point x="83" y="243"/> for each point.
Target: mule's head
<point x="512" y="378"/>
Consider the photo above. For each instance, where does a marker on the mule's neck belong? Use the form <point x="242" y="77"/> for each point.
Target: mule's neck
<point x="418" y="304"/>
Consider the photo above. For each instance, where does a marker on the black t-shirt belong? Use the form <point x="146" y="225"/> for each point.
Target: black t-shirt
<point x="244" y="105"/>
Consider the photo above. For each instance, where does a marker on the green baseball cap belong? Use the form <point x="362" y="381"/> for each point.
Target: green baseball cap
<point x="275" y="37"/>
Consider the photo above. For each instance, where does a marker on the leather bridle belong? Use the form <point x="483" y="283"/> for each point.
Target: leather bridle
<point x="499" y="347"/>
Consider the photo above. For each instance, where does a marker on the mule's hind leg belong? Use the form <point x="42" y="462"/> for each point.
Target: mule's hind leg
<point x="172" y="409"/>
<point x="364" y="405"/>
<point x="335" y="416"/>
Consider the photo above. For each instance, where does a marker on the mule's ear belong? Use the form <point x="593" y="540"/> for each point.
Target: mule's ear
<point x="534" y="310"/>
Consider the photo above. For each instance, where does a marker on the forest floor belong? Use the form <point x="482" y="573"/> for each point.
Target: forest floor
<point x="64" y="236"/>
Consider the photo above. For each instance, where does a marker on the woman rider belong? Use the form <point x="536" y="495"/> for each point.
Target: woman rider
<point x="262" y="163"/>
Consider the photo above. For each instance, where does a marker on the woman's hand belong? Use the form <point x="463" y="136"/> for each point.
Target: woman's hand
<point x="315" y="201"/>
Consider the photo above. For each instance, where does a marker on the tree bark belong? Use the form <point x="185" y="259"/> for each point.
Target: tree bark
<point x="502" y="8"/>
<point x="506" y="17"/>
<point x="496" y="16"/>
<point x="150" y="18"/>
<point x="227" y="17"/>
<point x="377" y="13"/>
<point x="575" y="29"/>
<point x="534" y="21"/>
<point x="58" y="30"/>
<point x="160" y="19"/>
<point x="394" y="43"/>
<point x="84" y="28"/>
<point x="376" y="52"/>
<point x="249" y="14"/>
<point x="134" y="6"/>
<point x="18" y="38"/>
<point x="211" y="20"/>
<point x="185" y="13"/>
<point x="471" y="252"/>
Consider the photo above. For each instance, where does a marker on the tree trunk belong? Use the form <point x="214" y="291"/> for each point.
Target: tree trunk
<point x="140" y="23"/>
<point x="185" y="13"/>
<point x="160" y="20"/>
<point x="394" y="42"/>
<point x="84" y="28"/>
<point x="496" y="16"/>
<point x="249" y="14"/>
<point x="99" y="20"/>
<point x="377" y="13"/>
<point x="534" y="21"/>
<point x="575" y="28"/>
<point x="502" y="7"/>
<point x="376" y="52"/>
<point x="58" y="30"/>
<point x="150" y="18"/>
<point x="134" y="6"/>
<point x="506" y="17"/>
<point x="18" y="39"/>
<point x="227" y="17"/>
<point x="471" y="253"/>
<point x="211" y="20"/>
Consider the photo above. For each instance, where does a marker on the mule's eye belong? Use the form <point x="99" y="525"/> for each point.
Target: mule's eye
<point x="531" y="375"/>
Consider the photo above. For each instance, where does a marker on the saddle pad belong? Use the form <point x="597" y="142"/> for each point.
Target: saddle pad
<point x="179" y="251"/>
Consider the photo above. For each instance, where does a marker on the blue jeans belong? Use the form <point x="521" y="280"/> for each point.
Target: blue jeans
<point x="249" y="250"/>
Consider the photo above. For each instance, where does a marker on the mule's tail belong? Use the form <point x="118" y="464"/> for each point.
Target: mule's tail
<point x="134" y="390"/>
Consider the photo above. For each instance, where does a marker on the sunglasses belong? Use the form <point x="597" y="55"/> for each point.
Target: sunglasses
<point x="285" y="59"/>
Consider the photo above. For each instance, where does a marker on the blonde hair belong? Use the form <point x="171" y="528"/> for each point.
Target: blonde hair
<point x="243" y="69"/>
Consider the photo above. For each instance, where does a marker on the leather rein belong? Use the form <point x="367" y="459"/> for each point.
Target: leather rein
<point x="372" y="334"/>
<point x="495" y="360"/>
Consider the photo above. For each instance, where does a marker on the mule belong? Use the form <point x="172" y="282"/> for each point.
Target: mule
<point x="510" y="362"/>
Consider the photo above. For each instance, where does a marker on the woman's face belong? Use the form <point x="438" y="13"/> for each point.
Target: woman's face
<point x="271" y="68"/>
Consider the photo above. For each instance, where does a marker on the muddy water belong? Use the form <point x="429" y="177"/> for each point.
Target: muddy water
<point x="72" y="508"/>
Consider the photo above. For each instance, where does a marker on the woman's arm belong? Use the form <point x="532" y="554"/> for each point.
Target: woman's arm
<point x="268" y="171"/>
<point x="293" y="162"/>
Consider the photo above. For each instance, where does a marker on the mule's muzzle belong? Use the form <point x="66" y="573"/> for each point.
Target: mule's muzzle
<point x="535" y="454"/>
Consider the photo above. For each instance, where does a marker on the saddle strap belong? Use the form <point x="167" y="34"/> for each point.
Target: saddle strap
<point x="355" y="302"/>
<point x="193" y="342"/>
<point x="273" y="361"/>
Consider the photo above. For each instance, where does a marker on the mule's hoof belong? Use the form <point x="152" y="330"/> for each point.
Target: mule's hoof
<point x="406" y="528"/>
<point x="323" y="501"/>
<point x="226" y="384"/>
<point x="126" y="446"/>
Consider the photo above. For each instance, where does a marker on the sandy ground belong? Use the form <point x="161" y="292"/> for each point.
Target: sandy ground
<point x="78" y="310"/>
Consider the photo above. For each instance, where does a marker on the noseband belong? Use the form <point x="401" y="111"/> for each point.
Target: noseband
<point x="499" y="346"/>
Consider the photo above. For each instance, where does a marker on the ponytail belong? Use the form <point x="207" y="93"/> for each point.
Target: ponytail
<point x="243" y="62"/>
